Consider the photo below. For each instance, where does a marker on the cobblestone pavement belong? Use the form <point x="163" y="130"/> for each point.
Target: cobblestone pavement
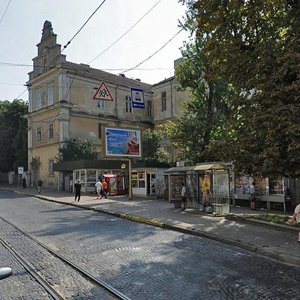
<point x="147" y="262"/>
<point x="67" y="282"/>
<point x="279" y="242"/>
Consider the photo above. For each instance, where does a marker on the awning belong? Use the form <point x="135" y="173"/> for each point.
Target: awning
<point x="200" y="167"/>
<point x="180" y="169"/>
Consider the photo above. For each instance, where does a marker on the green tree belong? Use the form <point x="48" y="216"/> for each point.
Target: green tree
<point x="76" y="150"/>
<point x="254" y="46"/>
<point x="13" y="135"/>
<point x="151" y="146"/>
<point x="206" y="114"/>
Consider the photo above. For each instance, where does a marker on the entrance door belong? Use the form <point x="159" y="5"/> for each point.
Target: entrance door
<point x="151" y="183"/>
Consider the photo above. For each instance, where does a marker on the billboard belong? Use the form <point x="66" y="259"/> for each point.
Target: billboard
<point x="122" y="142"/>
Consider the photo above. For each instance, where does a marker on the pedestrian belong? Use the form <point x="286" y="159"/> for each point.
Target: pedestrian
<point x="24" y="183"/>
<point x="104" y="188"/>
<point x="183" y="196"/>
<point x="252" y="196"/>
<point x="39" y="185"/>
<point x="77" y="187"/>
<point x="207" y="202"/>
<point x="98" y="186"/>
<point x="296" y="218"/>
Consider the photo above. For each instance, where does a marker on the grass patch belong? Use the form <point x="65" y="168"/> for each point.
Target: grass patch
<point x="272" y="218"/>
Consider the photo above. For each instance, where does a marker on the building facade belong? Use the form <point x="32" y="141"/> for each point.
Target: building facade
<point x="74" y="101"/>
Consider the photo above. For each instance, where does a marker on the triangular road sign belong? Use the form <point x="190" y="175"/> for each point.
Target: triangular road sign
<point x="103" y="93"/>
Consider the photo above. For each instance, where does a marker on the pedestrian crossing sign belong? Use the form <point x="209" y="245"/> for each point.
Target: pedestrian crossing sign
<point x="103" y="93"/>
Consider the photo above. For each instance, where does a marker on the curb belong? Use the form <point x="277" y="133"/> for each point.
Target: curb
<point x="193" y="231"/>
<point x="254" y="221"/>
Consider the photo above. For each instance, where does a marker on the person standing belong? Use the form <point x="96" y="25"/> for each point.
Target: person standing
<point x="98" y="186"/>
<point x="77" y="187"/>
<point x="252" y="196"/>
<point x="183" y="195"/>
<point x="296" y="218"/>
<point x="104" y="188"/>
<point x="39" y="185"/>
<point x="24" y="183"/>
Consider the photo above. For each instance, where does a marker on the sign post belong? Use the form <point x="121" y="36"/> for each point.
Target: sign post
<point x="129" y="174"/>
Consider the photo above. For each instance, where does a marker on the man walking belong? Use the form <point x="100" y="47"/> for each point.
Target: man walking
<point x="104" y="188"/>
<point x="98" y="186"/>
<point x="77" y="187"/>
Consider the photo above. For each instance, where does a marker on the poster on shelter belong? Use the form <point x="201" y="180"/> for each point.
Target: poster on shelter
<point x="122" y="142"/>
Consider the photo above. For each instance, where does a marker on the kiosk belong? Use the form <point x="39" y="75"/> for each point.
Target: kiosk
<point x="216" y="178"/>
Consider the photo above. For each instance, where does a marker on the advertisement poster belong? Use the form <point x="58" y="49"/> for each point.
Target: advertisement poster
<point x="123" y="142"/>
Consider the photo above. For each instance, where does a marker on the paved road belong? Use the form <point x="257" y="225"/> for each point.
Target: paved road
<point x="147" y="262"/>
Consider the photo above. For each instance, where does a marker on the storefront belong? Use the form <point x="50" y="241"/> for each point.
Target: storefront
<point x="148" y="182"/>
<point x="212" y="178"/>
<point x="114" y="178"/>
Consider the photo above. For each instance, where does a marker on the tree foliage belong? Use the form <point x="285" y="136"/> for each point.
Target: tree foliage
<point x="151" y="144"/>
<point x="254" y="47"/>
<point x="13" y="135"/>
<point x="205" y="115"/>
<point x="76" y="150"/>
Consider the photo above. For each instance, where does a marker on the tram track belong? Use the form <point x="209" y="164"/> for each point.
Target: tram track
<point x="50" y="288"/>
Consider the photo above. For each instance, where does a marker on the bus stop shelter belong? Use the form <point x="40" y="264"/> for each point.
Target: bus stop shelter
<point x="213" y="177"/>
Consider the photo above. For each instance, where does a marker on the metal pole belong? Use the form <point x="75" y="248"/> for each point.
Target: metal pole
<point x="129" y="174"/>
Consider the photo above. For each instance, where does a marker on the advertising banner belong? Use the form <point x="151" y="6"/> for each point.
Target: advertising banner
<point x="122" y="142"/>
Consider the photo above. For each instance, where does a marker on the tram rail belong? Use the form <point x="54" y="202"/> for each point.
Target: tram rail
<point x="42" y="281"/>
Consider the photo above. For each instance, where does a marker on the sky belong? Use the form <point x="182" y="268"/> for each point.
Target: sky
<point x="146" y="26"/>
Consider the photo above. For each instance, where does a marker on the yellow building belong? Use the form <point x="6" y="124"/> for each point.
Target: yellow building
<point x="75" y="101"/>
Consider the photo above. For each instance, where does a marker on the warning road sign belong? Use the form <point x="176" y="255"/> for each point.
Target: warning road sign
<point x="103" y="93"/>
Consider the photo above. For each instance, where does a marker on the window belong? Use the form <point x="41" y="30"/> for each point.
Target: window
<point x="149" y="108"/>
<point x="101" y="104"/>
<point x="50" y="131"/>
<point x="99" y="131"/>
<point x="128" y="104"/>
<point x="50" y="167"/>
<point x="50" y="94"/>
<point x="38" y="99"/>
<point x="39" y="134"/>
<point x="163" y="101"/>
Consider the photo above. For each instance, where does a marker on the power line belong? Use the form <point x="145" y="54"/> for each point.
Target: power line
<point x="5" y="11"/>
<point x="118" y="39"/>
<point x="146" y="59"/>
<point x="69" y="42"/>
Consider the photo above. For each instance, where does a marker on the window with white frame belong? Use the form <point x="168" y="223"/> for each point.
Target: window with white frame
<point x="50" y="94"/>
<point x="50" y="131"/>
<point x="50" y="167"/>
<point x="38" y="99"/>
<point x="39" y="134"/>
<point x="128" y="104"/>
<point x="163" y="101"/>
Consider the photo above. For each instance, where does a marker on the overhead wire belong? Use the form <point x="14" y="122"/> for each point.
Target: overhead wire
<point x="5" y="11"/>
<point x="158" y="50"/>
<point x="69" y="42"/>
<point x="127" y="31"/>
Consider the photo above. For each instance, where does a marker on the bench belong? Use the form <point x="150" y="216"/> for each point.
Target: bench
<point x="177" y="203"/>
<point x="263" y="198"/>
<point x="273" y="198"/>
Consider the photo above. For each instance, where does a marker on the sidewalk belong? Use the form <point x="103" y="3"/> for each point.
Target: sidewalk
<point x="272" y="240"/>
